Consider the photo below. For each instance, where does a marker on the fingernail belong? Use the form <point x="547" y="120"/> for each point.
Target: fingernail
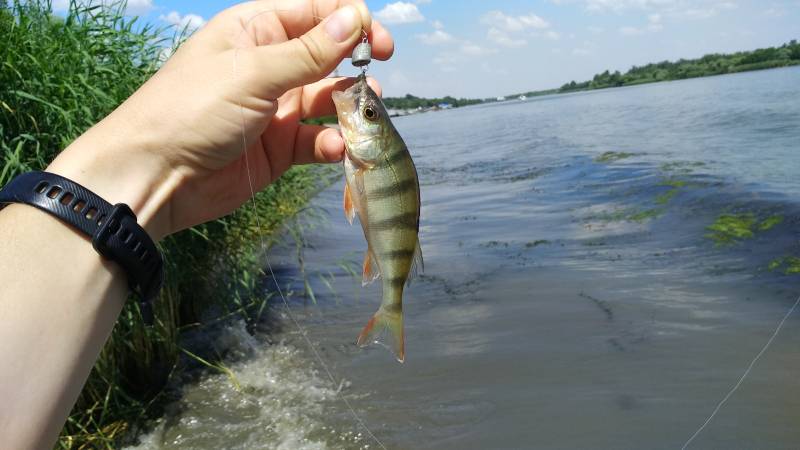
<point x="342" y="23"/>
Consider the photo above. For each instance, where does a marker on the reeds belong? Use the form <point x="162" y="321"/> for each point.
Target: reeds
<point x="59" y="76"/>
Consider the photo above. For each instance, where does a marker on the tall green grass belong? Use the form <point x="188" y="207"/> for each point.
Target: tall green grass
<point x="59" y="76"/>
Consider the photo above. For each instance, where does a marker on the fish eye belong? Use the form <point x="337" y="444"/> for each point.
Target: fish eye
<point x="370" y="113"/>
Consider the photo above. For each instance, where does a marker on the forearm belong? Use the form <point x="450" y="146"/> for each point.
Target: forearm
<point x="59" y="299"/>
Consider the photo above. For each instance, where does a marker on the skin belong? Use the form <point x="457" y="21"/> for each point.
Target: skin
<point x="173" y="153"/>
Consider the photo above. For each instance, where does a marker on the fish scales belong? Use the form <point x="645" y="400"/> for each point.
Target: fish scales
<point x="382" y="188"/>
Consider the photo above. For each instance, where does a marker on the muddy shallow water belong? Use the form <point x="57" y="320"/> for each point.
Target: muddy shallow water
<point x="572" y="298"/>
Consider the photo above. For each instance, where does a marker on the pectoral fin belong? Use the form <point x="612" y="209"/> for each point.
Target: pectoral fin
<point x="371" y="271"/>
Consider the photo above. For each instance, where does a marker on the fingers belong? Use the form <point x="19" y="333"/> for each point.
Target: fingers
<point x="295" y="18"/>
<point x="382" y="42"/>
<point x="316" y="100"/>
<point x="318" y="144"/>
<point x="306" y="59"/>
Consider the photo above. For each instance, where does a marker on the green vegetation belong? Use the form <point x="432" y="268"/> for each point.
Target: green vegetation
<point x="536" y="243"/>
<point x="59" y="77"/>
<point x="608" y="157"/>
<point x="789" y="265"/>
<point x="413" y="102"/>
<point x="713" y="64"/>
<point x="322" y="120"/>
<point x="731" y="228"/>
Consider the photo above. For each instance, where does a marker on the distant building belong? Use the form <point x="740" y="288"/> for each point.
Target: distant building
<point x="501" y="99"/>
<point x="445" y="106"/>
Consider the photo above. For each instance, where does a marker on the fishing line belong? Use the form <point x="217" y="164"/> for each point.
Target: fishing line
<point x="744" y="375"/>
<point x="289" y="313"/>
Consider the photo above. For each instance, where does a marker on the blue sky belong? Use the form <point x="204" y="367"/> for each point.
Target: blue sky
<point x="479" y="48"/>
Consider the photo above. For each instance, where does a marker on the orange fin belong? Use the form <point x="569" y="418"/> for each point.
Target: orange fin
<point x="382" y="320"/>
<point x="349" y="209"/>
<point x="370" y="270"/>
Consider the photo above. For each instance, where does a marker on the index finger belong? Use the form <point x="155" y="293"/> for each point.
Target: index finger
<point x="270" y="21"/>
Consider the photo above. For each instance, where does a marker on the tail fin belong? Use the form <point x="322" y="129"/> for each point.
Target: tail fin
<point x="385" y="320"/>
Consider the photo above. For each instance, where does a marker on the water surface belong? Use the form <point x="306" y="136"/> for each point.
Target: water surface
<point x="568" y="300"/>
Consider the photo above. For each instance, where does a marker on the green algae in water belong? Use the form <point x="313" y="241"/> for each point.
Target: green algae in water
<point x="663" y="199"/>
<point x="645" y="215"/>
<point x="789" y="265"/>
<point x="681" y="166"/>
<point x="728" y="228"/>
<point x="627" y="214"/>
<point x="536" y="243"/>
<point x="731" y="228"/>
<point x="674" y="183"/>
<point x="608" y="157"/>
<point x="770" y="222"/>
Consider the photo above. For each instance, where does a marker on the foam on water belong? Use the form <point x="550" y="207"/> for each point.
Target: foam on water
<point x="281" y="404"/>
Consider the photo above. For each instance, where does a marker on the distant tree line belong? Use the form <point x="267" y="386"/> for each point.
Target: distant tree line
<point x="713" y="64"/>
<point x="414" y="102"/>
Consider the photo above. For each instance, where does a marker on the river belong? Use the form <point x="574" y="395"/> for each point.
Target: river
<point x="572" y="298"/>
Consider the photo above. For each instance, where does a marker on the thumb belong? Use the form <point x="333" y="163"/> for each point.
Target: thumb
<point x="312" y="56"/>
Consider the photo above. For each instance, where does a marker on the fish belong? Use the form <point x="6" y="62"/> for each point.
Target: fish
<point x="382" y="188"/>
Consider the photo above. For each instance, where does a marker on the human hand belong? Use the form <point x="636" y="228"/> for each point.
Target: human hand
<point x="173" y="150"/>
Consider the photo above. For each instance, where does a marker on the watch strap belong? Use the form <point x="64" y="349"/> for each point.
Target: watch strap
<point x="113" y="228"/>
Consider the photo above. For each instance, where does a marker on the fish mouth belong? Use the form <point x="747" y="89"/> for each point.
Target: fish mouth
<point x="347" y="103"/>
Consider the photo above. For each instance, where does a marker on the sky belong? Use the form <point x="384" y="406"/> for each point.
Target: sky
<point x="481" y="48"/>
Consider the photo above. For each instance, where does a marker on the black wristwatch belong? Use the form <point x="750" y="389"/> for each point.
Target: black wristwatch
<point x="113" y="228"/>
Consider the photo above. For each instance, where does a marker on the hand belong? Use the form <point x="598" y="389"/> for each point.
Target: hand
<point x="173" y="151"/>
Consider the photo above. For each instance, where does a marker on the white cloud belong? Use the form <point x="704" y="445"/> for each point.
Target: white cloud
<point x="502" y="38"/>
<point x="399" y="12"/>
<point x="133" y="7"/>
<point x="774" y="12"/>
<point x="189" y="21"/>
<point x="468" y="48"/>
<point x="630" y="31"/>
<point x="552" y="35"/>
<point x="139" y="7"/>
<point x="654" y="25"/>
<point x="437" y="24"/>
<point x="504" y="22"/>
<point x="446" y="62"/>
<point x="692" y="9"/>
<point x="436" y="37"/>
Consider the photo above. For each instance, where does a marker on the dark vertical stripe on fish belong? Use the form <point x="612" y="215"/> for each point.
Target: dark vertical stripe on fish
<point x="400" y="187"/>
<point x="407" y="221"/>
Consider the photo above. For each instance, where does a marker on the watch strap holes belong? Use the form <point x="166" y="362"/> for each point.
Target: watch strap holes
<point x="101" y="219"/>
<point x="79" y="205"/>
<point x="54" y="191"/>
<point x="91" y="213"/>
<point x="41" y="187"/>
<point x="67" y="198"/>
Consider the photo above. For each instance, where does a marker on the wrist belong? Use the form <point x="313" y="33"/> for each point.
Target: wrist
<point x="122" y="168"/>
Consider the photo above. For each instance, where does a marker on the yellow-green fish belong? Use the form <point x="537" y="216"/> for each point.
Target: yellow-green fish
<point x="381" y="186"/>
